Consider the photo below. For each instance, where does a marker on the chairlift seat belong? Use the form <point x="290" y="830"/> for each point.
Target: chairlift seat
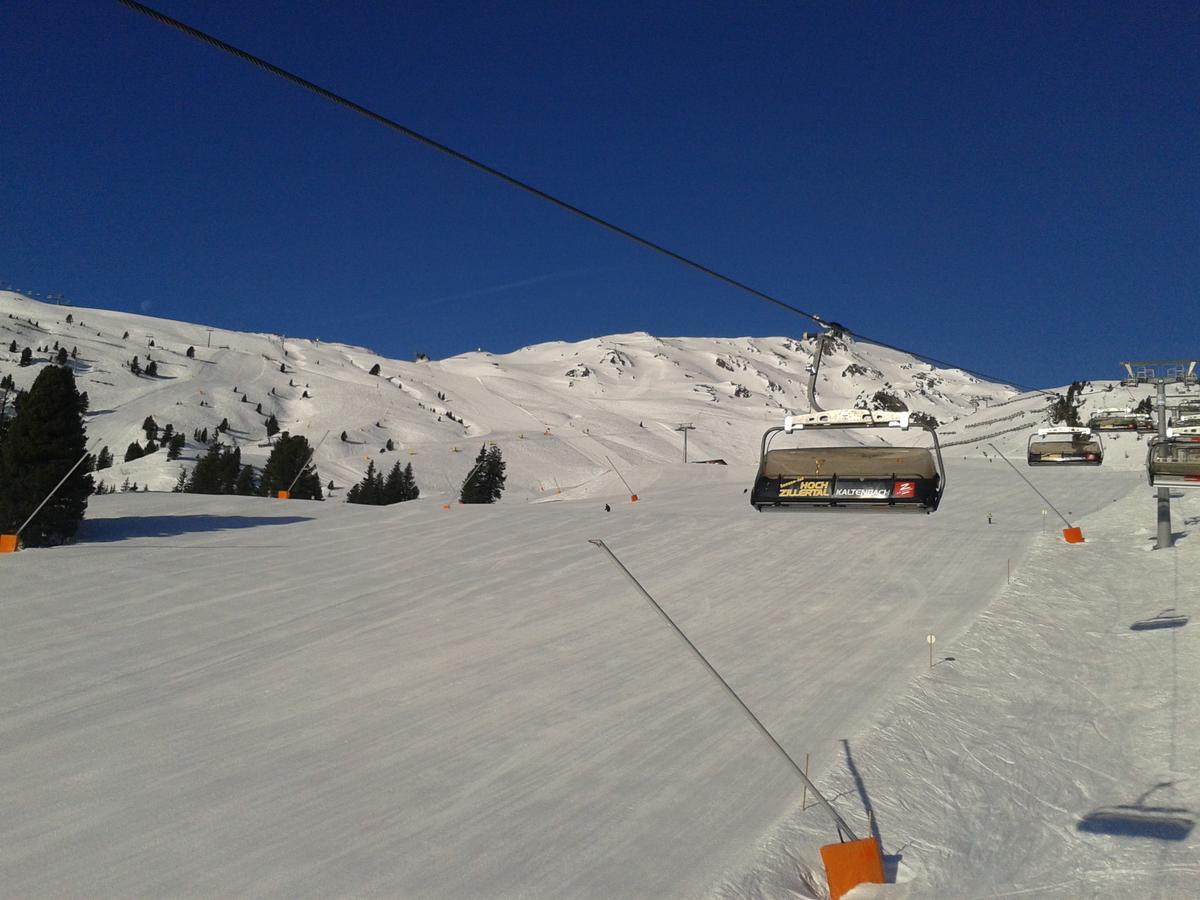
<point x="1064" y="447"/>
<point x="848" y="478"/>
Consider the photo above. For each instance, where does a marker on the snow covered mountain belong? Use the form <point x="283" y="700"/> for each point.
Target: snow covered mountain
<point x="564" y="413"/>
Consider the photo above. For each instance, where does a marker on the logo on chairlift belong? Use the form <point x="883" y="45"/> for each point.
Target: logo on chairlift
<point x="862" y="490"/>
<point x="904" y="489"/>
<point x="805" y="487"/>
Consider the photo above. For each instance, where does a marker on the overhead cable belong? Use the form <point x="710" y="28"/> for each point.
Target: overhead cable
<point x="392" y="124"/>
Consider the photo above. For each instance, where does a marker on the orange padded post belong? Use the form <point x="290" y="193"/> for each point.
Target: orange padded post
<point x="283" y="495"/>
<point x="8" y="543"/>
<point x="633" y="498"/>
<point x="851" y="863"/>
<point x="1073" y="535"/>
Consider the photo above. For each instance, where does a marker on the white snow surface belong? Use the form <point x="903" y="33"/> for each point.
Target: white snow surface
<point x="219" y="695"/>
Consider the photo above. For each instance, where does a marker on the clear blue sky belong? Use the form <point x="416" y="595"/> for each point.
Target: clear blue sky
<point x="1012" y="186"/>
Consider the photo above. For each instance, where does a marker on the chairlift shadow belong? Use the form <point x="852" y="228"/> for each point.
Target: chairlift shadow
<point x="1168" y="618"/>
<point x="124" y="528"/>
<point x="1139" y="820"/>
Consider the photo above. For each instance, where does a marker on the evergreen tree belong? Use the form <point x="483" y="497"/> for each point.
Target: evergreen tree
<point x="152" y="369"/>
<point x="216" y="472"/>
<point x="135" y="367"/>
<point x="370" y="490"/>
<point x="258" y="409"/>
<point x="408" y="485"/>
<point x="480" y="484"/>
<point x="224" y="426"/>
<point x="175" y="446"/>
<point x="74" y="353"/>
<point x="40" y="445"/>
<point x="12" y="348"/>
<point x="70" y="318"/>
<point x="26" y="357"/>
<point x="180" y="482"/>
<point x="375" y="369"/>
<point x="272" y="426"/>
<point x="191" y="352"/>
<point x="390" y="445"/>
<point x="7" y="383"/>
<point x="288" y="458"/>
<point x="344" y="438"/>
<point x="134" y="451"/>
<point x="393" y="486"/>
<point x="104" y="460"/>
<point x="150" y="427"/>
<point x="151" y="447"/>
<point x="125" y="336"/>
<point x="247" y="482"/>
<point x="61" y="358"/>
<point x="283" y="368"/>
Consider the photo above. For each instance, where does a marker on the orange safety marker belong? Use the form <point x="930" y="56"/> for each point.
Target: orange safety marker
<point x="851" y="863"/>
<point x="633" y="498"/>
<point x="8" y="543"/>
<point x="1073" y="535"/>
<point x="445" y="506"/>
<point x="283" y="495"/>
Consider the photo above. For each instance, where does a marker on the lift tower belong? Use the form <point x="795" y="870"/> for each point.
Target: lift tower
<point x="1160" y="373"/>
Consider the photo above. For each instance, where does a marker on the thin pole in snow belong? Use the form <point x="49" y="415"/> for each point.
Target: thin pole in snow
<point x="306" y="462"/>
<point x="70" y="472"/>
<point x="838" y="821"/>
<point x="619" y="475"/>
<point x="1031" y="487"/>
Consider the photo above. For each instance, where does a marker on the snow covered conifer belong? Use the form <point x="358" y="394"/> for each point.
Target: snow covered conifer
<point x="134" y="451"/>
<point x="26" y="357"/>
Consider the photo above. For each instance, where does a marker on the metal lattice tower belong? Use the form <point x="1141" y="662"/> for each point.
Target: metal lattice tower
<point x="1160" y="373"/>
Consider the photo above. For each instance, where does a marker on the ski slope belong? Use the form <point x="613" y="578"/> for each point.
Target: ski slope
<point x="216" y="695"/>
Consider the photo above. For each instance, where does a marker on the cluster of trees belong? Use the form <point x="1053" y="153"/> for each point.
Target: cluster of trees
<point x="375" y="490"/>
<point x="39" y="444"/>
<point x="151" y="370"/>
<point x="485" y="482"/>
<point x="1065" y="410"/>
<point x="220" y="471"/>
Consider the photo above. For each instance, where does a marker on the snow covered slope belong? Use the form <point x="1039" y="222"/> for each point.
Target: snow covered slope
<point x="215" y="695"/>
<point x="559" y="411"/>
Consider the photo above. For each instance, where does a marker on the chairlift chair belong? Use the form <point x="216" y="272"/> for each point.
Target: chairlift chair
<point x="1175" y="460"/>
<point x="1064" y="445"/>
<point x="848" y="478"/>
<point x="1120" y="419"/>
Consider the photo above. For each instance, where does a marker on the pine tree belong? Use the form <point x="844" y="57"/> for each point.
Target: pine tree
<point x="151" y="447"/>
<point x="370" y="490"/>
<point x="26" y="357"/>
<point x="473" y="485"/>
<point x="288" y="458"/>
<point x="125" y="336"/>
<point x="61" y="358"/>
<point x="393" y="486"/>
<point x="74" y="353"/>
<point x="408" y="485"/>
<point x="135" y="367"/>
<point x="104" y="460"/>
<point x="191" y="352"/>
<point x="224" y="426"/>
<point x="152" y="369"/>
<point x="134" y="451"/>
<point x="375" y="369"/>
<point x="175" y="446"/>
<point x="494" y="477"/>
<point x="180" y="482"/>
<point x="247" y="482"/>
<point x="258" y="409"/>
<point x="12" y="348"/>
<point x="150" y="427"/>
<point x="41" y="444"/>
<point x="272" y="426"/>
<point x="390" y="445"/>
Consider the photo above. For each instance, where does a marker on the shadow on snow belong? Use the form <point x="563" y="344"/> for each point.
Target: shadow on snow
<point x="123" y="528"/>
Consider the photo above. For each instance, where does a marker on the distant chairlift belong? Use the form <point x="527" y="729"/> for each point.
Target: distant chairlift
<point x="848" y="477"/>
<point x="1175" y="461"/>
<point x="1121" y="419"/>
<point x="1065" y="446"/>
<point x="1187" y="414"/>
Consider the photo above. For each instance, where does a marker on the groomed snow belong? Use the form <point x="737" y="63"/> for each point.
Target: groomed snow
<point x="215" y="695"/>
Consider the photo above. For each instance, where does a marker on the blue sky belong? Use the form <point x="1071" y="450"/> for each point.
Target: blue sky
<point x="1010" y="186"/>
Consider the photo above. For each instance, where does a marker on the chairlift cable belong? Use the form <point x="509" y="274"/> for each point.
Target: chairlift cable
<point x="392" y="124"/>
